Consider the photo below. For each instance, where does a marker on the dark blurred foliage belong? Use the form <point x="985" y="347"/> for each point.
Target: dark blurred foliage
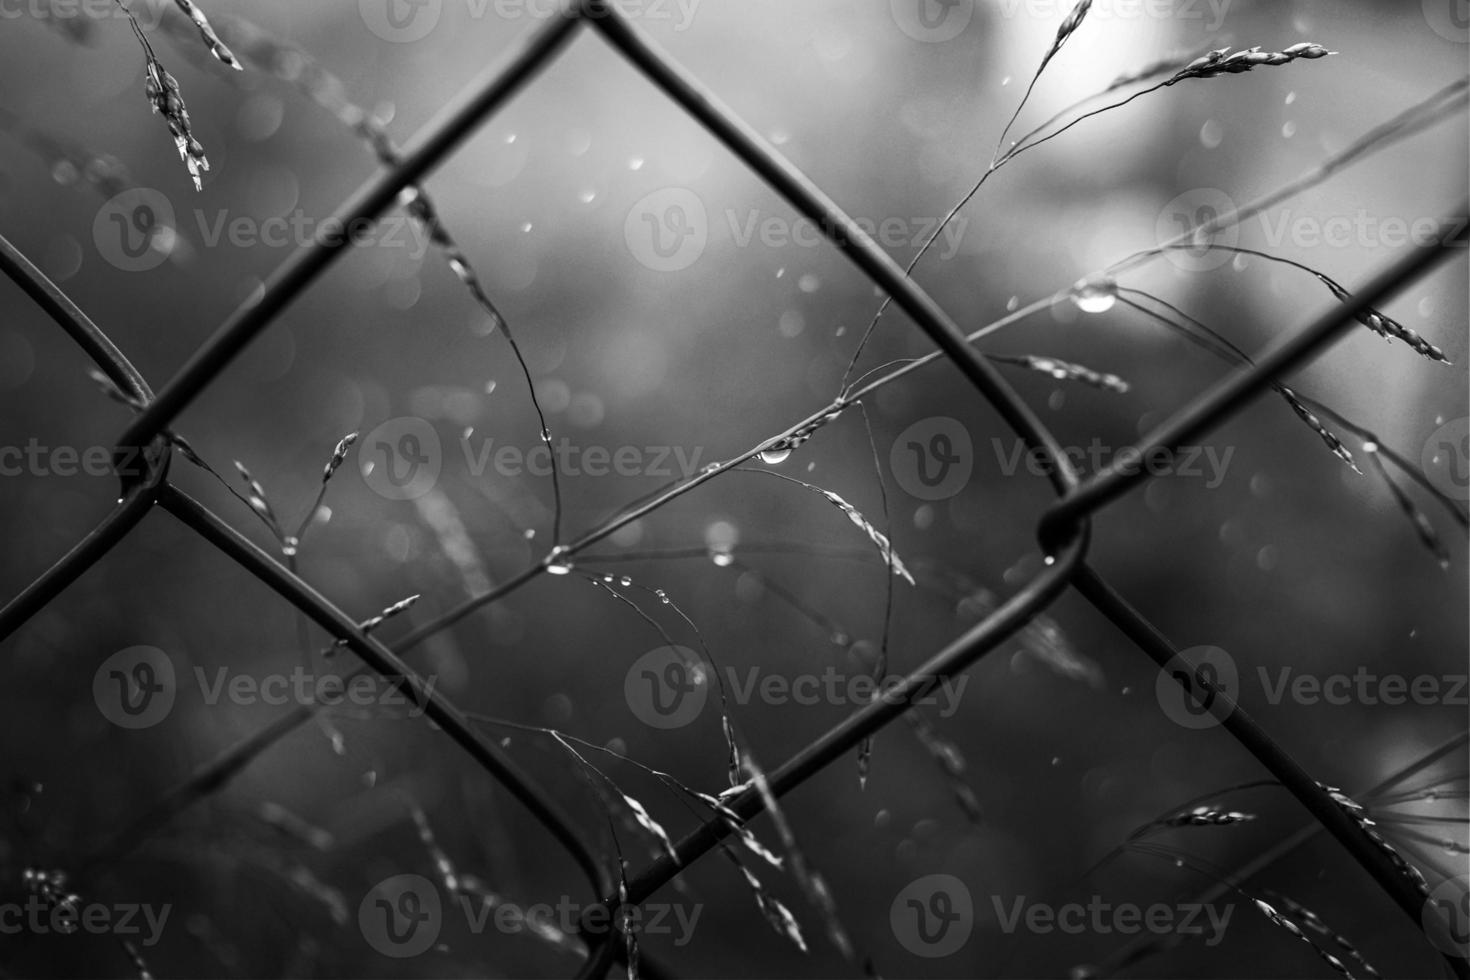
<point x="1293" y="560"/>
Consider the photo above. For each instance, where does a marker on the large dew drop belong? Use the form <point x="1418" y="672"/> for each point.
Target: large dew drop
<point x="557" y="563"/>
<point x="776" y="455"/>
<point x="1096" y="295"/>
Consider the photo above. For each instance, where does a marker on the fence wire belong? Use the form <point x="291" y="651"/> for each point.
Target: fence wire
<point x="1063" y="531"/>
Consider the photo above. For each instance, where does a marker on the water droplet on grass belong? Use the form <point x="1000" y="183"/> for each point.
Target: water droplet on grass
<point x="557" y="563"/>
<point x="776" y="455"/>
<point x="1095" y="295"/>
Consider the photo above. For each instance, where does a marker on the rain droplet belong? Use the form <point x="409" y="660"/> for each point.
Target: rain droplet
<point x="1095" y="295"/>
<point x="587" y="196"/>
<point x="625" y="581"/>
<point x="722" y="559"/>
<point x="776" y="455"/>
<point x="635" y="163"/>
<point x="530" y="533"/>
<point x="1288" y="130"/>
<point x="1211" y="134"/>
<point x="662" y="596"/>
<point x="556" y="563"/>
<point x="1013" y="304"/>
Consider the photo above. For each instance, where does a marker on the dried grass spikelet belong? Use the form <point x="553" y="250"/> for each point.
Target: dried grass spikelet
<point x="1316" y="425"/>
<point x="339" y="455"/>
<point x="813" y="886"/>
<point x="777" y="915"/>
<point x="879" y="539"/>
<point x="164" y="96"/>
<point x="951" y="762"/>
<point x="1423" y="527"/>
<point x="1222" y="62"/>
<point x="1066" y="30"/>
<point x="206" y="32"/>
<point x="369" y="625"/>
<point x="294" y="827"/>
<point x="1206" y="816"/>
<point x="1315" y="923"/>
<point x="1283" y="922"/>
<point x="539" y="926"/>
<point x="1386" y="326"/>
<point x="1359" y="816"/>
<point x="136" y="958"/>
<point x="162" y="90"/>
<point x="1067" y="371"/>
<point x="443" y="867"/>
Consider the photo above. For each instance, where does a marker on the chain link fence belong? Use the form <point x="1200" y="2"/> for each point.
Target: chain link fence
<point x="145" y="451"/>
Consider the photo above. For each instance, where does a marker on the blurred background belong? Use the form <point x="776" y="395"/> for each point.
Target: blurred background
<point x="1289" y="559"/>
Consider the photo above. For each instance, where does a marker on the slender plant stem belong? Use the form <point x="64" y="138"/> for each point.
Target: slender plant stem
<point x="493" y="89"/>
